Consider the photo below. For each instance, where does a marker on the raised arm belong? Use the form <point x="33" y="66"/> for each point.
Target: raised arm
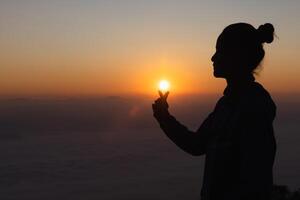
<point x="191" y="142"/>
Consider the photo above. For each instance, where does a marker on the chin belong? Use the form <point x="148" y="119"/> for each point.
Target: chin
<point x="218" y="74"/>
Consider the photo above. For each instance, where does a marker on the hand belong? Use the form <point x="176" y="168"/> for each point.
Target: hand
<point x="160" y="106"/>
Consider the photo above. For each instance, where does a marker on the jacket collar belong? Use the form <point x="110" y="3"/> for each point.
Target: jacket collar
<point x="240" y="87"/>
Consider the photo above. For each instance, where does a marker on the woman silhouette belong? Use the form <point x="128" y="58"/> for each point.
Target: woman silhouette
<point x="237" y="136"/>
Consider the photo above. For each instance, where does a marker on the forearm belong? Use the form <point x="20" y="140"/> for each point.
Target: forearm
<point x="185" y="139"/>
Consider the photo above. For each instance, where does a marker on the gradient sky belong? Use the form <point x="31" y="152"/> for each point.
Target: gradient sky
<point x="89" y="47"/>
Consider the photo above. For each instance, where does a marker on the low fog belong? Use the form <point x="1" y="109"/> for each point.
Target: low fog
<point x="112" y="148"/>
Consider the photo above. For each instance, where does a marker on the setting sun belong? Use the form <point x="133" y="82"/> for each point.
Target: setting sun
<point x="164" y="85"/>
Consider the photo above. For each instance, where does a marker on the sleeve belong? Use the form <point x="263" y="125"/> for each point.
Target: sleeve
<point x="257" y="151"/>
<point x="193" y="143"/>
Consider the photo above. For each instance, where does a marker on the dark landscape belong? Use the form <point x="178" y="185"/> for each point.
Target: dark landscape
<point x="111" y="148"/>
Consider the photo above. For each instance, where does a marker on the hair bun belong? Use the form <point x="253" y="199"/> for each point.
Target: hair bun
<point x="266" y="33"/>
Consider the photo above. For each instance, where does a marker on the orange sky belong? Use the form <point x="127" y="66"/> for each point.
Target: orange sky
<point x="108" y="48"/>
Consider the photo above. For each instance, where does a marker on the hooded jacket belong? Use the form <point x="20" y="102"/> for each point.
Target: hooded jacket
<point x="237" y="139"/>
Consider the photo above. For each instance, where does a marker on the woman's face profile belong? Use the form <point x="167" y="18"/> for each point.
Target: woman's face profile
<point x="225" y="59"/>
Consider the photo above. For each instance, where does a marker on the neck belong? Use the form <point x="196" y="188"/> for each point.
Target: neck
<point x="239" y="80"/>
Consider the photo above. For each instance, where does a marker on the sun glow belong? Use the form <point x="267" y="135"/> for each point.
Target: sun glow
<point x="164" y="85"/>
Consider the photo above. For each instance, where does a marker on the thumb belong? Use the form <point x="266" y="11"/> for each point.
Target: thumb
<point x="166" y="95"/>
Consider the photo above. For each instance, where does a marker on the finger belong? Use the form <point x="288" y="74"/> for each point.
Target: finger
<point x="166" y="95"/>
<point x="154" y="107"/>
<point x="160" y="94"/>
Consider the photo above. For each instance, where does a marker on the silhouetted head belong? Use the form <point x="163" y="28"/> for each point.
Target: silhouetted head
<point x="239" y="49"/>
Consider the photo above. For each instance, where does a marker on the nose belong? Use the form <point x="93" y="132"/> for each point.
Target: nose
<point x="213" y="57"/>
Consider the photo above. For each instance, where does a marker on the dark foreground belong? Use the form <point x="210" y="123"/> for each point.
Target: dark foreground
<point x="112" y="149"/>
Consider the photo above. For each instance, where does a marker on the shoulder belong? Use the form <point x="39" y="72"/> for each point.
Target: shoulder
<point x="259" y="95"/>
<point x="259" y="101"/>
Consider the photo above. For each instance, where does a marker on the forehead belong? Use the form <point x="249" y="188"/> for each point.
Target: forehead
<point x="222" y="41"/>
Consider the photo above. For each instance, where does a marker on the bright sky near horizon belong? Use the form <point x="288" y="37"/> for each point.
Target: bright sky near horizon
<point x="89" y="47"/>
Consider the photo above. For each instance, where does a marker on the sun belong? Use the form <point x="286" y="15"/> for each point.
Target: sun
<point x="164" y="85"/>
